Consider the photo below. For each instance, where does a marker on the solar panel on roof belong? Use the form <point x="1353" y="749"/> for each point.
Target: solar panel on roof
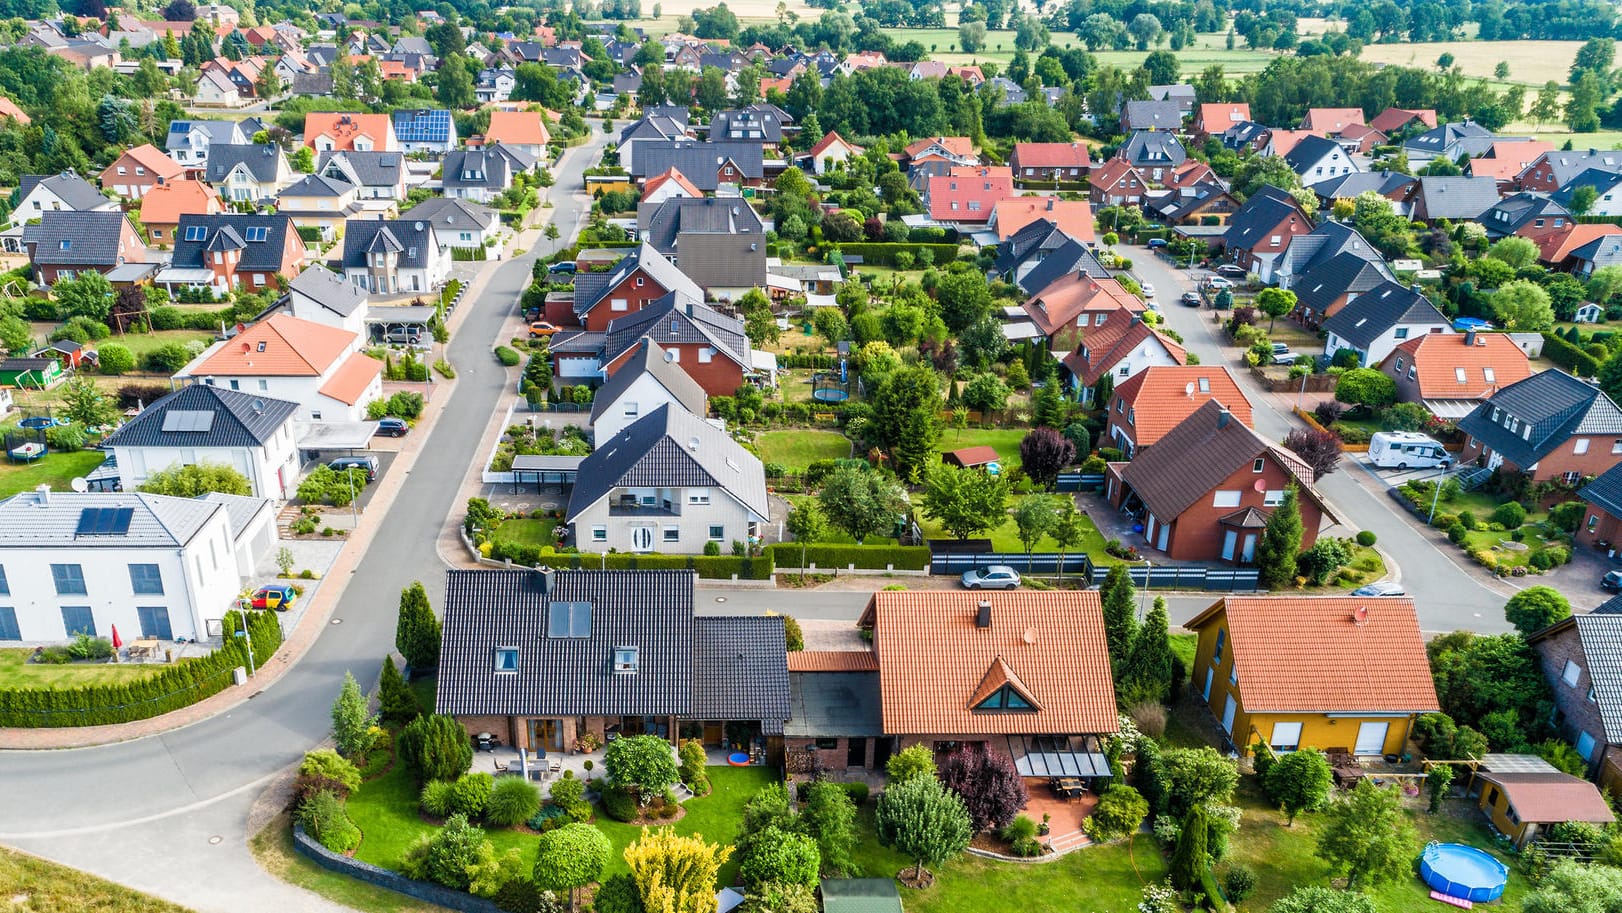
<point x="423" y="126"/>
<point x="188" y="420"/>
<point x="104" y="521"/>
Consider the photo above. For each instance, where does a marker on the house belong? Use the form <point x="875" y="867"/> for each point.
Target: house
<point x="339" y="131"/>
<point x="711" y="347"/>
<point x="654" y="126"/>
<point x="1246" y="136"/>
<point x="1552" y="170"/>
<point x="1080" y="304"/>
<point x="967" y="199"/>
<point x="1607" y="187"/>
<point x="156" y="566"/>
<point x="207" y="424"/>
<point x="1262" y="230"/>
<point x="1148" y="405"/>
<point x="1331" y="284"/>
<point x="1216" y="119"/>
<point x="835" y="721"/>
<point x="1448" y="141"/>
<point x="831" y="152"/>
<point x="1451" y="373"/>
<point x="1505" y="160"/>
<point x="214" y="88"/>
<point x="1314" y="672"/>
<point x="1207" y="486"/>
<point x="247" y="174"/>
<point x="319" y="202"/>
<point x="1153" y="152"/>
<point x="1330" y="121"/>
<point x="163" y="205"/>
<point x="320" y="367"/>
<point x="228" y="252"/>
<point x="1030" y="248"/>
<point x="1316" y="159"/>
<point x="718" y="242"/>
<point x="1025" y="676"/>
<point x="1117" y="183"/>
<point x="138" y="170"/>
<point x="522" y="130"/>
<point x="1457" y="199"/>
<point x="65" y="244"/>
<point x="1392" y="120"/>
<point x="642" y="384"/>
<point x="322" y="296"/>
<point x="666" y="185"/>
<point x="1151" y="115"/>
<point x="482" y="174"/>
<point x="544" y="657"/>
<point x="377" y="175"/>
<point x="429" y="130"/>
<point x="1392" y="185"/>
<point x="1004" y="91"/>
<point x="953" y="150"/>
<point x="1122" y="347"/>
<point x="1527" y="214"/>
<point x="639" y="278"/>
<point x="1603" y="251"/>
<point x="65" y="192"/>
<point x="1067" y="162"/>
<point x="398" y="257"/>
<point x="1524" y="794"/>
<point x="670" y="482"/>
<point x="1550" y="426"/>
<point x="457" y="223"/>
<point x="1379" y="320"/>
<point x="494" y="84"/>
<point x="1206" y="203"/>
<point x="1579" y="656"/>
<point x="1558" y="247"/>
<point x="758" y="123"/>
<point x="710" y="166"/>
<point x="1074" y="217"/>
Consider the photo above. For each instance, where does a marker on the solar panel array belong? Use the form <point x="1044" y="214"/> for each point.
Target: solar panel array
<point x="428" y="126"/>
<point x="104" y="521"/>
<point x="569" y="619"/>
<point x="188" y="420"/>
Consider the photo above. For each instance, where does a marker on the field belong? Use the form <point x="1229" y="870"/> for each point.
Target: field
<point x="35" y="885"/>
<point x="797" y="449"/>
<point x="999" y="47"/>
<point x="1531" y="63"/>
<point x="17" y="672"/>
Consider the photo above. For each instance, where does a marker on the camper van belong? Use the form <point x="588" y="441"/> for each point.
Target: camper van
<point x="1407" y="450"/>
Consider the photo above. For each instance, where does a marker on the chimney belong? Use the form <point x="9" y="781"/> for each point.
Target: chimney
<point x="546" y="576"/>
<point x="1050" y="204"/>
<point x="1223" y="418"/>
<point x="1469" y="337"/>
<point x="982" y="616"/>
<point x="1417" y="290"/>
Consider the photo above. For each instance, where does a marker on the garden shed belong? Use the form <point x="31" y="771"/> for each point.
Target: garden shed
<point x="37" y="373"/>
<point x="970" y="457"/>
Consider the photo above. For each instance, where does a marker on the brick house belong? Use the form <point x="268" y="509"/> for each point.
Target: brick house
<point x="162" y="207"/>
<point x="711" y="347"/>
<point x="1074" y="217"/>
<point x="968" y="198"/>
<point x="136" y="171"/>
<point x="1206" y="489"/>
<point x="65" y="244"/>
<point x="1216" y="119"/>
<point x="1117" y="183"/>
<point x="1550" y="426"/>
<point x="1602" y="523"/>
<point x="1122" y="347"/>
<point x="1050" y="162"/>
<point x="626" y="288"/>
<point x="1581" y="657"/>
<point x="1078" y="304"/>
<point x="228" y="252"/>
<point x="1152" y="402"/>
<point x="1450" y="373"/>
<point x="1260" y="232"/>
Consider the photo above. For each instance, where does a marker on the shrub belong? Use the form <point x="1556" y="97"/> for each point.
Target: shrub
<point x="438" y="798"/>
<point x="65" y="438"/>
<point x="1366" y="538"/>
<point x="451" y="851"/>
<point x="325" y="818"/>
<point x="1457" y="533"/>
<point x="1468" y="520"/>
<point x="691" y="769"/>
<point x="167" y="358"/>
<point x="435" y="747"/>
<point x="569" y="795"/>
<point x="1510" y="513"/>
<point x="512" y="801"/>
<point x="327" y="770"/>
<point x="1238" y="882"/>
<point x="508" y="357"/>
<point x="618" y="803"/>
<point x="857" y="792"/>
<point x="779" y="856"/>
<point x="471" y="793"/>
<point x="1119" y="813"/>
<point x="115" y="358"/>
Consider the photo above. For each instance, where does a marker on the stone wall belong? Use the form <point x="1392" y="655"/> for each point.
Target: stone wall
<point x="383" y="878"/>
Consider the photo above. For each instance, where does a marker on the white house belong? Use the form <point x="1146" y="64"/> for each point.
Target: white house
<point x="248" y="173"/>
<point x="648" y="380"/>
<point x="153" y="565"/>
<point x="320" y="367"/>
<point x="457" y="223"/>
<point x="668" y="482"/>
<point x="1317" y="159"/>
<point x="209" y="424"/>
<point x="188" y="141"/>
<point x="1381" y="319"/>
<point x="65" y="192"/>
<point x="401" y="257"/>
<point x="322" y="296"/>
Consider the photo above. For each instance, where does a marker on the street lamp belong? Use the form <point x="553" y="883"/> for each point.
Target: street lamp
<point x="1436" y="495"/>
<point x="242" y="617"/>
<point x="354" y="515"/>
<point x="1143" y="598"/>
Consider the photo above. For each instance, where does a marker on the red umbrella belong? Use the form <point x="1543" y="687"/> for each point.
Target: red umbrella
<point x="117" y="641"/>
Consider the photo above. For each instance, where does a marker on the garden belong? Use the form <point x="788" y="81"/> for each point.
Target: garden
<point x="1498" y="531"/>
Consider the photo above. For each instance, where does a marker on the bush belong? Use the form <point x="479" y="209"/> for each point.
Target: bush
<point x="512" y="801"/>
<point x="1120" y="812"/>
<point x="1563" y="353"/>
<point x="471" y="793"/>
<point x="569" y="795"/>
<point x="451" y="851"/>
<point x="1366" y="538"/>
<point x="1468" y="520"/>
<point x="1457" y="533"/>
<point x="167" y="358"/>
<point x="857" y="792"/>
<point x="327" y="770"/>
<point x="618" y="804"/>
<point x="115" y="358"/>
<point x="435" y="747"/>
<point x="1509" y="513"/>
<point x="1567" y="515"/>
<point x="1238" y="882"/>
<point x="65" y="438"/>
<point x="438" y="798"/>
<point x="325" y="818"/>
<point x="508" y="357"/>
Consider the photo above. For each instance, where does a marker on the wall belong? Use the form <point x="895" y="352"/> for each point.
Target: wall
<point x="371" y="874"/>
<point x="1498" y="810"/>
<point x="693" y="522"/>
<point x="646" y="393"/>
<point x="720" y="376"/>
<point x="835" y="758"/>
<point x="1323" y="732"/>
<point x="635" y="299"/>
<point x="1577" y="713"/>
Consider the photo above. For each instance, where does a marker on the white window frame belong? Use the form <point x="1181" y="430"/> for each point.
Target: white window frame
<point x="1285" y="737"/>
<point x="1226" y="499"/>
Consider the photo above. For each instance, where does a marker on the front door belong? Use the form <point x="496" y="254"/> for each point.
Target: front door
<point x="1371" y="738"/>
<point x="1230" y="539"/>
<point x="713" y="733"/>
<point x="642" y="539"/>
<point x="882" y="747"/>
<point x="856" y="754"/>
<point x="1165" y="533"/>
<point x="546" y="735"/>
<point x="1227" y="715"/>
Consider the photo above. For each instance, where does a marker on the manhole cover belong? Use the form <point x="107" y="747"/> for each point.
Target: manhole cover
<point x="337" y="621"/>
<point x="215" y="840"/>
<point x="720" y="599"/>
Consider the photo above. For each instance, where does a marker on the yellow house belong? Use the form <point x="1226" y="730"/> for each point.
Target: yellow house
<point x="320" y="202"/>
<point x="1332" y="672"/>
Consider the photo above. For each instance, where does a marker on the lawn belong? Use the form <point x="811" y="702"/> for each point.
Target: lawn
<point x="34" y="884"/>
<point x="17" y="672"/>
<point x="797" y="449"/>
<point x="273" y="849"/>
<point x="526" y="532"/>
<point x="57" y="470"/>
<point x="1005" y="538"/>
<point x="1003" y="440"/>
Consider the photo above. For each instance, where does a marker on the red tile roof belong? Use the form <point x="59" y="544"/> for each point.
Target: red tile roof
<point x="1555" y="247"/>
<point x="281" y="345"/>
<point x="1326" y="654"/>
<point x="1329" y="121"/>
<point x="1159" y="398"/>
<point x="166" y="203"/>
<point x="1112" y="342"/>
<point x="670" y="174"/>
<point x="1068" y="297"/>
<point x="157" y="165"/>
<point x="8" y="108"/>
<point x="1437" y="358"/>
<point x="344" y="128"/>
<point x="1505" y="160"/>
<point x="348" y="384"/>
<point x="956" y="145"/>
<point x="1051" y="155"/>
<point x="934" y="661"/>
<point x="1074" y="217"/>
<point x="829" y="139"/>
<point x="833" y="661"/>
<point x="1112" y="172"/>
<point x="520" y="128"/>
<point x="1395" y="118"/>
<point x="1215" y="118"/>
<point x="967" y="199"/>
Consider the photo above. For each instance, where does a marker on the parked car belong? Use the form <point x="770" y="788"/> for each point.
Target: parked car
<point x="1157" y="243"/>
<point x="1611" y="582"/>
<point x="567" y="266"/>
<point x="1148" y="289"/>
<point x="1217" y="282"/>
<point x="1383" y="588"/>
<point x="541" y="328"/>
<point x="356" y="462"/>
<point x="993" y="577"/>
<point x="1232" y="270"/>
<point x="403" y="336"/>
<point x="1282" y="354"/>
<point x="1191" y="299"/>
<point x="278" y="596"/>
<point x="392" y="427"/>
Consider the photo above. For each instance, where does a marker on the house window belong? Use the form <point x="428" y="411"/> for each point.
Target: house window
<point x="1120" y="406"/>
<point x="78" y="619"/>
<point x="625" y="660"/>
<point x="264" y="385"/>
<point x="1221" y="641"/>
<point x="1593" y="521"/>
<point x="1259" y="465"/>
<point x="1233" y="674"/>
<point x="1402" y="332"/>
<point x="717" y="533"/>
<point x="1286" y="737"/>
<point x="1571" y="674"/>
<point x="1132" y="416"/>
<point x="1487" y="374"/>
<point x="1098" y="319"/>
<point x="1205" y="385"/>
<point x="1226" y="499"/>
<point x="1580" y="446"/>
<point x="631" y="409"/>
<point x="599" y="534"/>
<point x="698" y="498"/>
<point x="1585" y="746"/>
<point x="672" y="534"/>
<point x="1277" y="239"/>
<point x="506" y="659"/>
<point x="146" y="580"/>
<point x="1399" y="364"/>
<point x="640" y="281"/>
<point x="705" y="354"/>
<point x="1124" y="371"/>
<point x="236" y="384"/>
<point x="1616" y="446"/>
<point x="69" y="579"/>
<point x="5" y="585"/>
<point x="1273" y="498"/>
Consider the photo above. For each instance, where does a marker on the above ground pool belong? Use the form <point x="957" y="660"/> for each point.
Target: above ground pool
<point x="1463" y="872"/>
<point x="741" y="759"/>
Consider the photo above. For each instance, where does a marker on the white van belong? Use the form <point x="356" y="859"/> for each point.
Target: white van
<point x="1407" y="450"/>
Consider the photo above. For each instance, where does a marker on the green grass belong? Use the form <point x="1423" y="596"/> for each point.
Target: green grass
<point x="1005" y="538"/>
<point x="142" y="343"/>
<point x="1003" y="440"/>
<point x="57" y="470"/>
<point x="273" y="849"/>
<point x="17" y="672"/>
<point x="30" y="883"/>
<point x="716" y="816"/>
<point x="1183" y="647"/>
<point x="797" y="449"/>
<point x="526" y="532"/>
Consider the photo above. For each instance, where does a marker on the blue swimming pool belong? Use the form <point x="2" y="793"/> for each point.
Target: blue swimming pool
<point x="1463" y="872"/>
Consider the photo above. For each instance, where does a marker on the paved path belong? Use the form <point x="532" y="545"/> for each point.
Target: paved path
<point x="146" y="813"/>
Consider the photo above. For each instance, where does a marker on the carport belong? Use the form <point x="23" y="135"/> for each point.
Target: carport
<point x="314" y="438"/>
<point x="541" y="470"/>
<point x="382" y="320"/>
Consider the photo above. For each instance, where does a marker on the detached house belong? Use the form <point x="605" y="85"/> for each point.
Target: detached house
<point x="400" y="257"/>
<point x="457" y="223"/>
<point x="1261" y="231"/>
<point x="1451" y="373"/>
<point x="712" y="167"/>
<point x="1117" y="183"/>
<point x="1380" y="320"/>
<point x="645" y="381"/>
<point x="1550" y="426"/>
<point x="1122" y="347"/>
<point x="522" y="130"/>
<point x="1448" y="141"/>
<point x="1068" y="162"/>
<point x="208" y="424"/>
<point x="1216" y="119"/>
<point x="323" y="203"/>
<point x="719" y="243"/>
<point x="330" y="132"/>
<point x="1074" y="217"/>
<point x="320" y="367"/>
<point x="1317" y="159"/>
<point x="163" y="205"/>
<point x="831" y="152"/>
<point x="1080" y="304"/>
<point x="378" y="176"/>
<point x="967" y="199"/>
<point x="1321" y="672"/>
<point x="482" y="174"/>
<point x="65" y="192"/>
<point x="1152" y="402"/>
<point x="189" y="141"/>
<point x="138" y="170"/>
<point x="322" y="296"/>
<point x="951" y="150"/>
<point x="1153" y="152"/>
<point x="641" y="277"/>
<point x="65" y="244"/>
<point x="1040" y="254"/>
<point x="1207" y="487"/>
<point x="248" y="174"/>
<point x="228" y="252"/>
<point x="429" y="130"/>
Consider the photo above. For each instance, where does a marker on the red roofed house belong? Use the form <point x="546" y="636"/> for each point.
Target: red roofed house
<point x="1207" y="487"/>
<point x="163" y="205"/>
<point x="523" y="130"/>
<point x="327" y="132"/>
<point x="1360" y="138"/>
<point x="831" y="150"/>
<point x="1506" y="160"/>
<point x="1074" y="217"/>
<point x="1154" y="401"/>
<point x="1330" y="121"/>
<point x="668" y="184"/>
<point x="138" y="170"/>
<point x="1051" y="162"/>
<point x="1122" y="347"/>
<point x="968" y="199"/>
<point x="1078" y="303"/>
<point x="1391" y="120"/>
<point x="1314" y="671"/>
<point x="1117" y="183"/>
<point x="957" y="150"/>
<point x="9" y="109"/>
<point x="1190" y="173"/>
<point x="1451" y="373"/>
<point x="1556" y="246"/>
<point x="969" y="74"/>
<point x="1216" y="119"/>
<point x="320" y="367"/>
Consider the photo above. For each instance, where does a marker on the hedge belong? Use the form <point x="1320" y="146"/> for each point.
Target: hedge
<point x="467" y="253"/>
<point x="883" y="253"/>
<point x="717" y="567"/>
<point x="179" y="685"/>
<point x="816" y="361"/>
<point x="310" y="234"/>
<point x="868" y="557"/>
<point x="1568" y="356"/>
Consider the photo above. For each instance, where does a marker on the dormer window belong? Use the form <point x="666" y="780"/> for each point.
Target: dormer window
<point x="1005" y="698"/>
<point x="625" y="660"/>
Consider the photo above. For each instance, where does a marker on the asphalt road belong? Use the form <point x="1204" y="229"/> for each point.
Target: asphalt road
<point x="1447" y="597"/>
<point x="144" y="812"/>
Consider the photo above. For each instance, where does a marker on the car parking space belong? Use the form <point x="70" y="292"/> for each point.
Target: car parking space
<point x="1394" y="477"/>
<point x="385" y="461"/>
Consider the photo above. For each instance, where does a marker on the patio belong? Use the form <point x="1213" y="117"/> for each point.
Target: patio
<point x="504" y="760"/>
<point x="1065" y="816"/>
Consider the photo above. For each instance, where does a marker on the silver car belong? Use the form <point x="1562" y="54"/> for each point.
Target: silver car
<point x="1384" y="588"/>
<point x="994" y="577"/>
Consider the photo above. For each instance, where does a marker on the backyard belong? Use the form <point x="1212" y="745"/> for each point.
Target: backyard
<point x="797" y="449"/>
<point x="17" y="672"/>
<point x="537" y="532"/>
<point x="57" y="470"/>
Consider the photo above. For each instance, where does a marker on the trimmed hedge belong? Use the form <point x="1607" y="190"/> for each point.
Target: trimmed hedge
<point x="179" y="685"/>
<point x="868" y="557"/>
<point x="1568" y="356"/>
<point x="467" y="253"/>
<point x="880" y="253"/>
<point x="720" y="567"/>
<point x="816" y="361"/>
<point x="310" y="234"/>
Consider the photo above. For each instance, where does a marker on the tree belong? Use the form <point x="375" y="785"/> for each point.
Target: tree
<point x="860" y="502"/>
<point x="1196" y="776"/>
<point x="88" y="295"/>
<point x="1366" y="387"/>
<point x="829" y="816"/>
<point x="1299" y="782"/>
<point x="711" y="91"/>
<point x="1319" y="449"/>
<point x="1119" y="813"/>
<point x="570" y="857"/>
<point x="1514" y="250"/>
<point x="1275" y="303"/>
<point x="269" y="84"/>
<point x="434" y="747"/>
<point x="1319" y="899"/>
<point x="395" y="698"/>
<point x="1546" y="105"/>
<point x="1044" y="453"/>
<point x="83" y="402"/>
<point x="966" y="501"/>
<point x="196" y="479"/>
<point x="1583" y="199"/>
<point x="179" y="11"/>
<point x="1437" y="781"/>
<point x="1120" y="616"/>
<point x="807" y="524"/>
<point x="115" y="358"/>
<point x="1068" y="530"/>
<point x="1535" y="608"/>
<point x="910" y="762"/>
<point x="971" y="36"/>
<point x="1191" y="860"/>
<point x="1161" y="68"/>
<point x="1033" y="517"/>
<point x="17" y="336"/>
<point x="1145" y="28"/>
<point x="1147" y="675"/>
<point x="1280" y="543"/>
<point x="1523" y="306"/>
<point x="416" y="631"/>
<point x="985" y="393"/>
<point x="991" y="789"/>
<point x="780" y="856"/>
<point x="642" y="763"/>
<point x="923" y="821"/>
<point x="675" y="873"/>
<point x="1367" y="836"/>
<point x="351" y="724"/>
<point x="964" y="299"/>
<point x="455" y="90"/>
<point x="1572" y="887"/>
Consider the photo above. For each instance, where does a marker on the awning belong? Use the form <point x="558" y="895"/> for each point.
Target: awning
<point x="175" y="274"/>
<point x="545" y="469"/>
<point x="1453" y="409"/>
<point x="130" y="272"/>
<point x="402" y="314"/>
<point x="821" y="301"/>
<point x="763" y="361"/>
<point x="986" y="238"/>
<point x="1017" y="330"/>
<point x="334" y="435"/>
<point x="1050" y="756"/>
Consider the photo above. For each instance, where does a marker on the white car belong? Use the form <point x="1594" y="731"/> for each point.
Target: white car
<point x="1148" y="290"/>
<point x="993" y="577"/>
<point x="1218" y="282"/>
<point x="1383" y="588"/>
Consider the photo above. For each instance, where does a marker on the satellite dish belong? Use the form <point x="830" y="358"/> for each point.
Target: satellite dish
<point x="1188" y="389"/>
<point x="1259" y="485"/>
<point x="79" y="485"/>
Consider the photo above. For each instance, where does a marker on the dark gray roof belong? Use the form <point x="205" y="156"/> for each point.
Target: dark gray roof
<point x="1309" y="151"/>
<point x="647" y="259"/>
<point x="1178" y="204"/>
<point x="1600" y="634"/>
<point x="627" y="83"/>
<point x="754" y="124"/>
<point x="329" y="290"/>
<point x="740" y="670"/>
<point x="1336" y="276"/>
<point x="314" y="185"/>
<point x="1243" y="134"/>
<point x="671" y="448"/>
<point x="1456" y="198"/>
<point x="1605" y="491"/>
<point x="654" y="125"/>
<point x="1347" y="186"/>
<point x="1038" y="237"/>
<point x="1603" y="251"/>
<point x="369" y="169"/>
<point x="1263" y="212"/>
<point x="1385" y="306"/>
<point x="413" y="239"/>
<point x="716" y="241"/>
<point x="700" y="162"/>
<point x="1012" y="93"/>
<point x="1601" y="180"/>
<point x="580" y="342"/>
<point x="319" y="83"/>
<point x="73" y="190"/>
<point x="262" y="161"/>
<point x="1555" y="405"/>
<point x="1329" y="239"/>
<point x="677" y="318"/>
<point x="650" y="360"/>
<point x="90" y="238"/>
<point x="566" y="676"/>
<point x="834" y="705"/>
<point x="235" y="420"/>
<point x="1156" y="115"/>
<point x="1070" y="257"/>
<point x="1451" y="140"/>
<point x="219" y="132"/>
<point x="451" y="214"/>
<point x="236" y="232"/>
<point x="1153" y="148"/>
<point x="1563" y="166"/>
<point x="1510" y="213"/>
<point x="485" y="168"/>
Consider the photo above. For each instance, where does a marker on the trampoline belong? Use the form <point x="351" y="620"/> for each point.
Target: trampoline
<point x="1463" y="872"/>
<point x="827" y="388"/>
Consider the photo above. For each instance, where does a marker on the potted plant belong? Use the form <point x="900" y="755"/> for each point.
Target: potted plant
<point x="1046" y="825"/>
